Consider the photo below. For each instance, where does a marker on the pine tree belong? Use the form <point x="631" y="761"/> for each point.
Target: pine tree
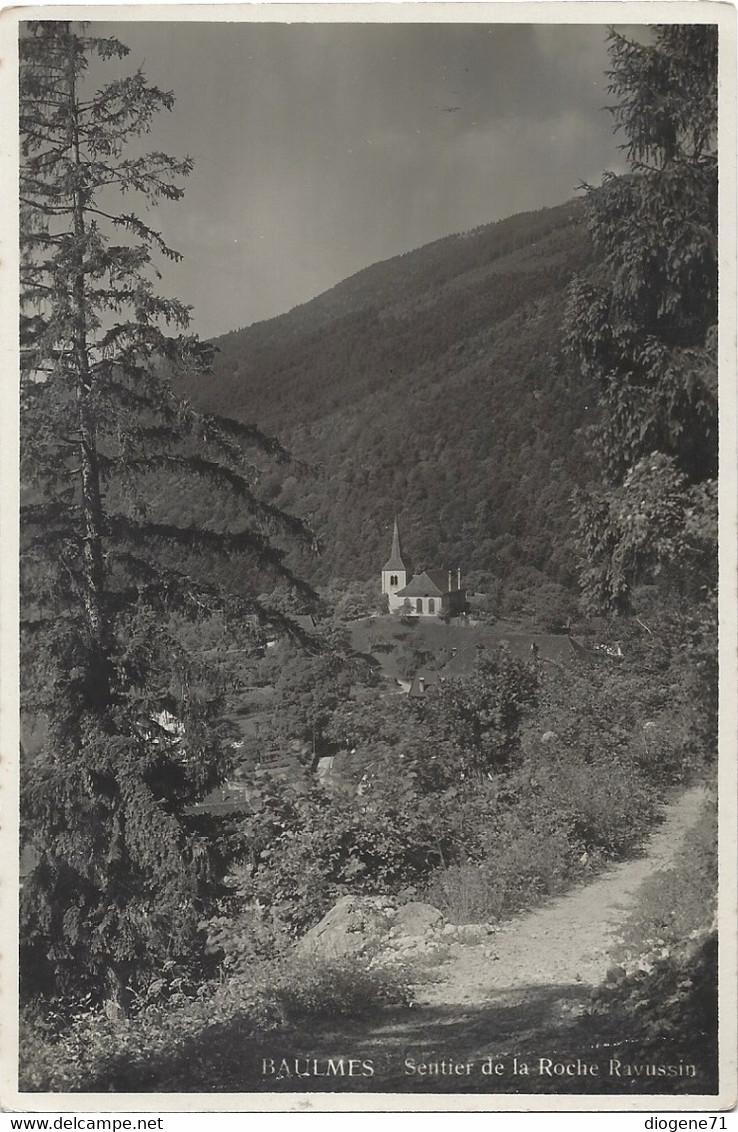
<point x="128" y="714"/>
<point x="643" y="326"/>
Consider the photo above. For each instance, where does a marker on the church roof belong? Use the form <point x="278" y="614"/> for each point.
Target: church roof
<point x="431" y="583"/>
<point x="394" y="562"/>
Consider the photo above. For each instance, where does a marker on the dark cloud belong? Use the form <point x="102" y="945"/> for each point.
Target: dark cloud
<point x="321" y="148"/>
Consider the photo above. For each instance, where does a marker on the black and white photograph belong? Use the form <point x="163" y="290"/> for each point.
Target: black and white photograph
<point x="363" y="710"/>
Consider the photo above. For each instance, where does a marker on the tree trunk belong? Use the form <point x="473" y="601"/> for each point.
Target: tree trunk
<point x="93" y="568"/>
<point x="117" y="997"/>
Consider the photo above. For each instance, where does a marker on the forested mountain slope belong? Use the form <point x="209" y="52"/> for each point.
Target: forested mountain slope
<point x="432" y="386"/>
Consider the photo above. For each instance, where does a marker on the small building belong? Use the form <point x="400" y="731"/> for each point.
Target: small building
<point x="431" y="593"/>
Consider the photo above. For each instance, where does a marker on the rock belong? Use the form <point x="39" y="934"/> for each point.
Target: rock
<point x="373" y="926"/>
<point x="417" y="919"/>
<point x="472" y="933"/>
<point x="350" y="926"/>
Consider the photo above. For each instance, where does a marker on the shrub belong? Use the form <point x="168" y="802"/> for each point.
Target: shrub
<point x="520" y="866"/>
<point x="678" y="903"/>
<point x="351" y="986"/>
<point x="542" y="823"/>
<point x="244" y="935"/>
<point x="600" y="800"/>
<point x="670" y="1004"/>
<point x="306" y="846"/>
<point x="462" y="893"/>
<point x="161" y="1046"/>
<point x="192" y="1046"/>
<point x="665" y="984"/>
<point x="638" y="712"/>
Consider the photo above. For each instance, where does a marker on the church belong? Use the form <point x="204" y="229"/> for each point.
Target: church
<point x="428" y="594"/>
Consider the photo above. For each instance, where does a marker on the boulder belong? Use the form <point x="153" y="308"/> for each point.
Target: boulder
<point x="418" y="920"/>
<point x="367" y="925"/>
<point x="349" y="928"/>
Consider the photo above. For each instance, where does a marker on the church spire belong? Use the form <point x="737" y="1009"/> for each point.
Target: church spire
<point x="395" y="559"/>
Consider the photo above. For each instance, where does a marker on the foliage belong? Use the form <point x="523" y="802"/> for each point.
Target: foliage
<point x="411" y="658"/>
<point x="351" y="600"/>
<point x="461" y="798"/>
<point x="401" y="801"/>
<point x="677" y="902"/>
<point x="642" y="325"/>
<point x="161" y="1046"/>
<point x="639" y="713"/>
<point x="481" y="715"/>
<point x="310" y="688"/>
<point x="581" y="789"/>
<point x="525" y="870"/>
<point x="133" y="708"/>
<point x="348" y="987"/>
<point x="304" y="846"/>
<point x="666" y="981"/>
<point x="189" y="1045"/>
<point x="244" y="937"/>
<point x="675" y="1001"/>
<point x="553" y="821"/>
<point x="655" y="526"/>
<point x="600" y="749"/>
<point x="467" y="332"/>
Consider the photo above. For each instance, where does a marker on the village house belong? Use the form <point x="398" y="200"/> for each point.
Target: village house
<point x="431" y="593"/>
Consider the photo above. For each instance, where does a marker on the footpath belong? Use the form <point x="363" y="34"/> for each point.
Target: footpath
<point x="524" y="993"/>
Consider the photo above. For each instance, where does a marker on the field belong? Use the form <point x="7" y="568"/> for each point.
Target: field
<point x="452" y="647"/>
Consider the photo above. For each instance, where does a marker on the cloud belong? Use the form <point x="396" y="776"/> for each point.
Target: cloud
<point x="320" y="149"/>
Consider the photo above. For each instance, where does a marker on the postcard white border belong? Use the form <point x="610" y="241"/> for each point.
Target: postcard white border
<point x="542" y="11"/>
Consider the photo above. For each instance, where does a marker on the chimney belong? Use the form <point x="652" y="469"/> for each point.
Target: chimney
<point x="450" y="584"/>
<point x="458" y="578"/>
<point x="421" y="683"/>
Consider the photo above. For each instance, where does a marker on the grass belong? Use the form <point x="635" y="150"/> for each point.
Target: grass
<point x="384" y="636"/>
<point x="349" y="987"/>
<point x="678" y="903"/>
<point x="200" y="1043"/>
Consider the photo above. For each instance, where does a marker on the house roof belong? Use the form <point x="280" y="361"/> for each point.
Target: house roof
<point x="431" y="583"/>
<point x="394" y="562"/>
<point x="464" y="659"/>
<point x="422" y="681"/>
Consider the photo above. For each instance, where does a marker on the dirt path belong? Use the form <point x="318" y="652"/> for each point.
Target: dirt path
<point x="571" y="939"/>
<point x="525" y="990"/>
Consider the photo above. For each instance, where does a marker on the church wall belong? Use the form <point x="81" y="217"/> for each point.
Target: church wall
<point x="390" y="587"/>
<point x="452" y="603"/>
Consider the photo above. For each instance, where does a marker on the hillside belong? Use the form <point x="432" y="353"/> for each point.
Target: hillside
<point x="431" y="386"/>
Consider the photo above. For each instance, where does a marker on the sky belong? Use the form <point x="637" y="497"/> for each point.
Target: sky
<point x="322" y="148"/>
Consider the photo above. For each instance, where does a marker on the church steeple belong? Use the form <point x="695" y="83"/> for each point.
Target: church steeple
<point x="394" y="571"/>
<point x="394" y="562"/>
